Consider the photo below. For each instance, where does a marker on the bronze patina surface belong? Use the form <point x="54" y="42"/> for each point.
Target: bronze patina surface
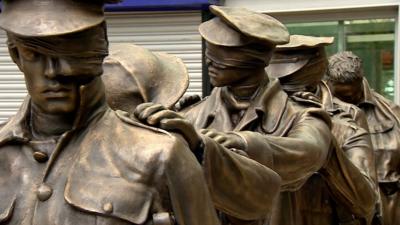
<point x="345" y="190"/>
<point x="248" y="114"/>
<point x="66" y="158"/>
<point x="134" y="75"/>
<point x="345" y="77"/>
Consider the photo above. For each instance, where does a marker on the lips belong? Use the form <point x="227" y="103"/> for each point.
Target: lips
<point x="57" y="92"/>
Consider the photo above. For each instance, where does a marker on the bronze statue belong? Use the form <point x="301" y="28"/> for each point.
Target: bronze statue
<point x="246" y="112"/>
<point x="66" y="158"/>
<point x="345" y="78"/>
<point x="301" y="65"/>
<point x="345" y="190"/>
<point x="134" y="75"/>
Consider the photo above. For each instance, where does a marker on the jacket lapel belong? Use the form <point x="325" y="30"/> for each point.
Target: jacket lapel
<point x="268" y="107"/>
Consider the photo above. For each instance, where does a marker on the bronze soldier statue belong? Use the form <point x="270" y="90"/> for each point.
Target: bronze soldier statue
<point x="246" y="112"/>
<point x="346" y="79"/>
<point x="300" y="66"/>
<point x="345" y="190"/>
<point x="66" y="158"/>
<point x="134" y="75"/>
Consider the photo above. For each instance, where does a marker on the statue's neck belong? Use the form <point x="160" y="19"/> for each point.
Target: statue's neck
<point x="92" y="102"/>
<point x="44" y="125"/>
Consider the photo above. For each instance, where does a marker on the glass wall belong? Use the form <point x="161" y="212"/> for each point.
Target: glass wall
<point x="372" y="40"/>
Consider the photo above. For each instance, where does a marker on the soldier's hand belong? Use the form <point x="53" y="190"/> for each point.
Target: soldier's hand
<point x="229" y="140"/>
<point x="186" y="101"/>
<point x="159" y="116"/>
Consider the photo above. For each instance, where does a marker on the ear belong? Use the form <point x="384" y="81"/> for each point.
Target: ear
<point x="13" y="51"/>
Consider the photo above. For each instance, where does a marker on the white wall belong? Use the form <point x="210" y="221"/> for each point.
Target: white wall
<point x="307" y="5"/>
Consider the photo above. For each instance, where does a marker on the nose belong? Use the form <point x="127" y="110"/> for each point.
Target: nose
<point x="50" y="69"/>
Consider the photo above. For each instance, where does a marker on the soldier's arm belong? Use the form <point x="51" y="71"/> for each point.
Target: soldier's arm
<point x="298" y="155"/>
<point x="350" y="174"/>
<point x="358" y="149"/>
<point x="189" y="194"/>
<point x="239" y="186"/>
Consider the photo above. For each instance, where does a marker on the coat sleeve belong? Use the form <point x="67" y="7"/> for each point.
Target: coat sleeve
<point x="240" y="187"/>
<point x="297" y="155"/>
<point x="189" y="194"/>
<point x="350" y="172"/>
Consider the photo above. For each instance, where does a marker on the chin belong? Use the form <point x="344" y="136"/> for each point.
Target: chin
<point x="59" y="111"/>
<point x="216" y="83"/>
<point x="60" y="108"/>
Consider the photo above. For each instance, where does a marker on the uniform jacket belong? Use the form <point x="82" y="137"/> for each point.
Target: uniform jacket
<point x="107" y="170"/>
<point x="331" y="103"/>
<point x="383" y="118"/>
<point x="350" y="129"/>
<point x="345" y="190"/>
<point x="291" y="140"/>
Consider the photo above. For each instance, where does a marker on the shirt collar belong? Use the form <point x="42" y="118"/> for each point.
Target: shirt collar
<point x="367" y="93"/>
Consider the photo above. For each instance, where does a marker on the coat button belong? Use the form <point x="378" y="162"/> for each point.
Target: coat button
<point x="44" y="192"/>
<point x="108" y="207"/>
<point x="40" y="156"/>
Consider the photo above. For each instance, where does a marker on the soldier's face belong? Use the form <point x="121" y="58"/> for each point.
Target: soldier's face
<point x="347" y="92"/>
<point x="53" y="82"/>
<point x="231" y="66"/>
<point x="221" y="75"/>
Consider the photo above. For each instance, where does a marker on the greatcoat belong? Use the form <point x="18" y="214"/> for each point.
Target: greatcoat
<point x="106" y="170"/>
<point x="291" y="139"/>
<point x="345" y="190"/>
<point x="383" y="118"/>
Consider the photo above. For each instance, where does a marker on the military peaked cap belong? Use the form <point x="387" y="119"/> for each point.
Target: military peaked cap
<point x="239" y="26"/>
<point x="38" y="18"/>
<point x="293" y="56"/>
<point x="298" y="42"/>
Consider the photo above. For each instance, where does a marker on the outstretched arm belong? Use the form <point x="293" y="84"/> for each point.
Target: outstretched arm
<point x="295" y="157"/>
<point x="190" y="197"/>
<point x="239" y="186"/>
<point x="350" y="172"/>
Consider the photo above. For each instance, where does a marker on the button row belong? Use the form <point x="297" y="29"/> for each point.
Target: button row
<point x="44" y="192"/>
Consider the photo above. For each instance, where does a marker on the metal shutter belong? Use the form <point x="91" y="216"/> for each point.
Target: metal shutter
<point x="171" y="32"/>
<point x="12" y="85"/>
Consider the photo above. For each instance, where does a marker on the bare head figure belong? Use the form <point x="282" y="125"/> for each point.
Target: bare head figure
<point x="345" y="67"/>
<point x="345" y="77"/>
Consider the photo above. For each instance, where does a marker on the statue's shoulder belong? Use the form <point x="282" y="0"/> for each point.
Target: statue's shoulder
<point x="147" y="136"/>
<point x="386" y="104"/>
<point x="306" y="100"/>
<point x="131" y="122"/>
<point x="307" y="104"/>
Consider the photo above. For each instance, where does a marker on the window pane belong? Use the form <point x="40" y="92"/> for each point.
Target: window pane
<point x="373" y="41"/>
<point x="322" y="29"/>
